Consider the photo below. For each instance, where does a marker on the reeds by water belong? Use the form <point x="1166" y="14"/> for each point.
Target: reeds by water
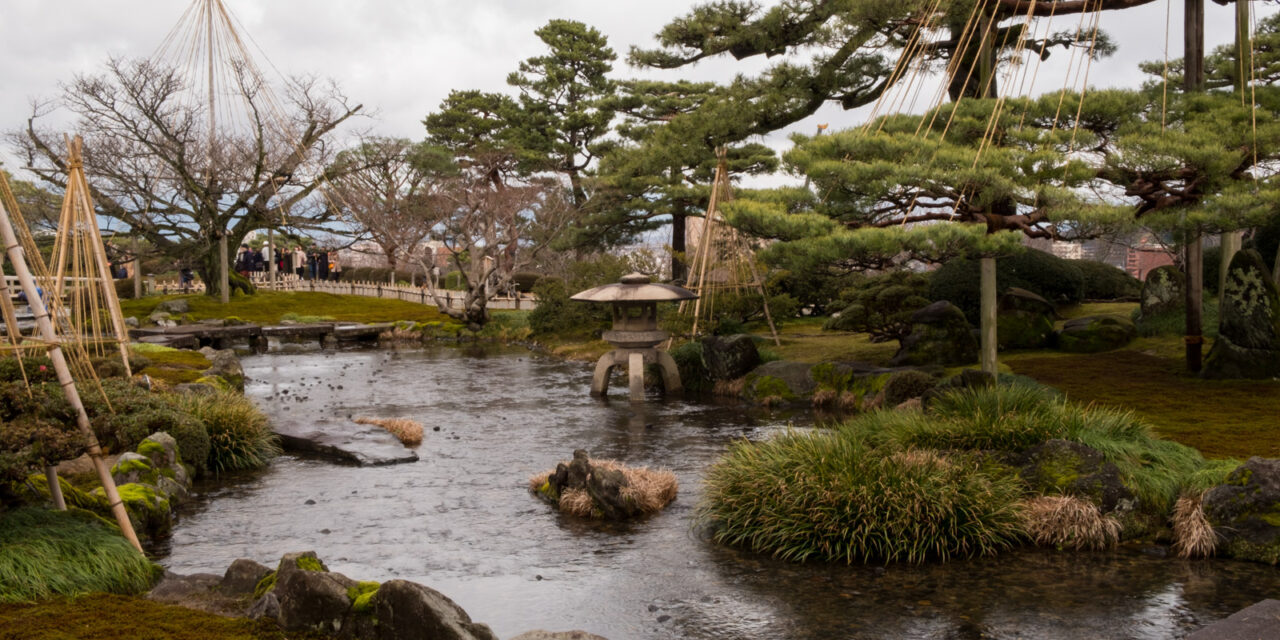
<point x="409" y="432"/>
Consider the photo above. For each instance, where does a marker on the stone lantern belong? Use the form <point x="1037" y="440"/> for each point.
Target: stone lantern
<point x="635" y="334"/>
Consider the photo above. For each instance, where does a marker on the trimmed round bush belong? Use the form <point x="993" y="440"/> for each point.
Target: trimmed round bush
<point x="1057" y="280"/>
<point x="1105" y="282"/>
<point x="883" y="305"/>
<point x="905" y="385"/>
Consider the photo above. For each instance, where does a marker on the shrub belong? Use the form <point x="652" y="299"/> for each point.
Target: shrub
<point x="37" y="369"/>
<point x="882" y="306"/>
<point x="905" y="385"/>
<point x="1047" y="275"/>
<point x="45" y="553"/>
<point x="239" y="435"/>
<point x="1105" y="282"/>
<point x="32" y="442"/>
<point x="694" y="374"/>
<point x="557" y="314"/>
<point x="833" y="496"/>
<point x="818" y="291"/>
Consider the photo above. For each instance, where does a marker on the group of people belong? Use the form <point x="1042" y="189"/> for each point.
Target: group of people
<point x="315" y="264"/>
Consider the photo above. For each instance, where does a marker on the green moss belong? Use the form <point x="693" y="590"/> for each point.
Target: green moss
<point x="266" y="584"/>
<point x="548" y="492"/>
<point x="769" y="387"/>
<point x="830" y="376"/>
<point x="1270" y="517"/>
<point x="1245" y="550"/>
<point x="214" y="381"/>
<point x="1240" y="477"/>
<point x="172" y="376"/>
<point x="130" y="466"/>
<point x="361" y="596"/>
<point x="151" y="448"/>
<point x="309" y="563"/>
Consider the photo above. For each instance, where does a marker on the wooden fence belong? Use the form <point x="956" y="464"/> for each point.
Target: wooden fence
<point x="383" y="290"/>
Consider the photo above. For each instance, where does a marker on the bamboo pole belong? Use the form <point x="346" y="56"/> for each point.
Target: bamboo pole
<point x="14" y="250"/>
<point x="81" y="183"/>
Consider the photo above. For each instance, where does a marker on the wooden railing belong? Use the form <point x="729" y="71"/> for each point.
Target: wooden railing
<point x="383" y="290"/>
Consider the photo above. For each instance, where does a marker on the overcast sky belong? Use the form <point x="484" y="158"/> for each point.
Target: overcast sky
<point x="401" y="57"/>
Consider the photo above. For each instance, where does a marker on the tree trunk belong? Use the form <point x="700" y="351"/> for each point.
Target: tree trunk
<point x="224" y="269"/>
<point x="679" y="271"/>
<point x="967" y="79"/>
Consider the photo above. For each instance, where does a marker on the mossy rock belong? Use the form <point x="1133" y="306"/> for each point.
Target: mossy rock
<point x="1024" y="320"/>
<point x="1248" y="343"/>
<point x="1245" y="511"/>
<point x="780" y="382"/>
<point x="1095" y="334"/>
<point x="1163" y="291"/>
<point x="940" y="335"/>
<point x="134" y="467"/>
<point x="1062" y="467"/>
<point x="148" y="508"/>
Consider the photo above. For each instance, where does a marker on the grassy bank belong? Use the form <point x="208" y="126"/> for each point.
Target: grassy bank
<point x="268" y="307"/>
<point x="46" y="553"/>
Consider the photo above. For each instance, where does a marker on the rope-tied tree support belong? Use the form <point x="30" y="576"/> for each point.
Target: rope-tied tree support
<point x="17" y="259"/>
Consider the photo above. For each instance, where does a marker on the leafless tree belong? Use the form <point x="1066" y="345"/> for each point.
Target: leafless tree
<point x="384" y="190"/>
<point x="151" y="164"/>
<point x="494" y="224"/>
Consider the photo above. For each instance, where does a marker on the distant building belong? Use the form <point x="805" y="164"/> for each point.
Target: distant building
<point x="1137" y="254"/>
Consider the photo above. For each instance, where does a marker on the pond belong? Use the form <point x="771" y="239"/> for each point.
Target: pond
<point x="461" y="521"/>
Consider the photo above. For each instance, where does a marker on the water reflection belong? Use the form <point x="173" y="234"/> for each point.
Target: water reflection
<point x="461" y="521"/>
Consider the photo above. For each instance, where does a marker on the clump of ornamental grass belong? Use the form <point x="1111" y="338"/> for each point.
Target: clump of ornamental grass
<point x="400" y="333"/>
<point x="1193" y="536"/>
<point x="832" y="495"/>
<point x="649" y="489"/>
<point x="1069" y="522"/>
<point x="409" y="432"/>
<point x="46" y="553"/>
<point x="240" y="435"/>
<point x="1015" y="418"/>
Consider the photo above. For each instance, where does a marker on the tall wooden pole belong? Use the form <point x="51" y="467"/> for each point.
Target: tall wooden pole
<point x="987" y="290"/>
<point x="63" y="371"/>
<point x="137" y="271"/>
<point x="1193" y="54"/>
<point x="1232" y="240"/>
<point x="224" y="277"/>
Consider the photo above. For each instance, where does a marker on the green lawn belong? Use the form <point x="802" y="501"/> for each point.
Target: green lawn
<point x="266" y="307"/>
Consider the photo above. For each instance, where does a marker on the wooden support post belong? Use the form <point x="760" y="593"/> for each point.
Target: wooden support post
<point x="271" y="261"/>
<point x="988" y="316"/>
<point x="1195" y="299"/>
<point x="224" y="278"/>
<point x="137" y="272"/>
<point x="63" y="371"/>
<point x="55" y="488"/>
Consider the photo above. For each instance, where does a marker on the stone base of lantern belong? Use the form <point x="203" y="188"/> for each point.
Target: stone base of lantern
<point x="635" y="360"/>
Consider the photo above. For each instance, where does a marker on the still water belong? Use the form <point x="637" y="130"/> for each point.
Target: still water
<point x="461" y="521"/>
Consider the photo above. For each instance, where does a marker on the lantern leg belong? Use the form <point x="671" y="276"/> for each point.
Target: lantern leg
<point x="600" y="380"/>
<point x="635" y="375"/>
<point x="670" y="374"/>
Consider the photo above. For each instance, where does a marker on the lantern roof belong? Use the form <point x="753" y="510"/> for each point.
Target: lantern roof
<point x="634" y="287"/>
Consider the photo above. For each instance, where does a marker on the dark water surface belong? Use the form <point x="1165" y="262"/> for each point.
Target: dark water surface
<point x="461" y="521"/>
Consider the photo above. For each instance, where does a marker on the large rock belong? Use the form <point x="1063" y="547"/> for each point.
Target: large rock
<point x="1163" y="291"/>
<point x="1061" y="467"/>
<point x="729" y="357"/>
<point x="403" y="610"/>
<point x="780" y="381"/>
<point x="178" y="306"/>
<point x="133" y="467"/>
<point x="1248" y="343"/>
<point x="242" y="577"/>
<point x="1024" y="320"/>
<point x="310" y="596"/>
<point x="225" y="365"/>
<point x="605" y="486"/>
<point x="1093" y="334"/>
<point x="940" y="335"/>
<point x="1245" y="511"/>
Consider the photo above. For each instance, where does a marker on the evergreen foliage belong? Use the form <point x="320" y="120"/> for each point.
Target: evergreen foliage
<point x="1058" y="281"/>
<point x="1101" y="281"/>
<point x="882" y="305"/>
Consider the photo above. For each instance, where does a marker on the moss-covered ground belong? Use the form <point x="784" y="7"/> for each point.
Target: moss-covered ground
<point x="267" y="307"/>
<point x="113" y="617"/>
<point x="803" y="340"/>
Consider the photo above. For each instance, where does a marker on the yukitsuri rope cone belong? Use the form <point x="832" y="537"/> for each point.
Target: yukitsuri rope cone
<point x="604" y="489"/>
<point x="47" y="334"/>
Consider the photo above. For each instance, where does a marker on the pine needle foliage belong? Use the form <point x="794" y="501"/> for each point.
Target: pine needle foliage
<point x="46" y="553"/>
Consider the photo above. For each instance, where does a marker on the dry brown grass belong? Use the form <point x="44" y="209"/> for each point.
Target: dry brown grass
<point x="825" y="398"/>
<point x="729" y="388"/>
<point x="400" y="334"/>
<point x="650" y="489"/>
<point x="1069" y="522"/>
<point x="408" y="431"/>
<point x="1193" y="536"/>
